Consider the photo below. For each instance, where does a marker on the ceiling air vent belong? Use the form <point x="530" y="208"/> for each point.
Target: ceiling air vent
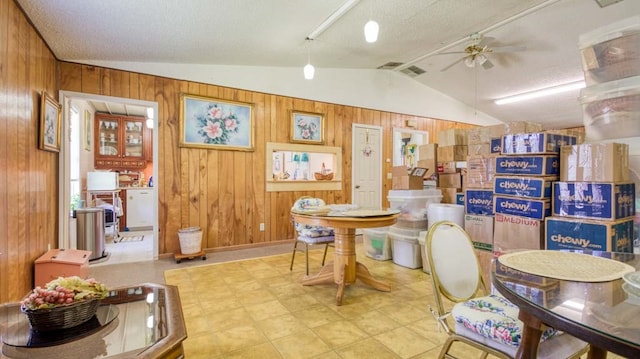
<point x="413" y="71"/>
<point x="389" y="65"/>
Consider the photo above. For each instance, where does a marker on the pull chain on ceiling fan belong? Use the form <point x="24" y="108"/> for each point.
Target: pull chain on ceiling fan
<point x="476" y="52"/>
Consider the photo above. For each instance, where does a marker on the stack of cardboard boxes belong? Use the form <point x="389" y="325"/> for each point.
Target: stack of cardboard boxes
<point x="594" y="201"/>
<point x="528" y="164"/>
<point x="451" y="156"/>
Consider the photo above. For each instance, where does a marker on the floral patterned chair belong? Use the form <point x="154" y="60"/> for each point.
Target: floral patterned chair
<point x="486" y="322"/>
<point x="310" y="235"/>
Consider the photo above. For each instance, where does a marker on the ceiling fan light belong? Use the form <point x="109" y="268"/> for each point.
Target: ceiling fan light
<point x="480" y="59"/>
<point x="469" y="62"/>
<point x="371" y="29"/>
<point x="309" y="71"/>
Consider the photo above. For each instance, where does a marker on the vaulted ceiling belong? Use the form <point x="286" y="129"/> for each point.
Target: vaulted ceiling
<point x="413" y="34"/>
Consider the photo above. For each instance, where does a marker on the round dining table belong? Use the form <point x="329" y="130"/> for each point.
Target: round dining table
<point x="345" y="269"/>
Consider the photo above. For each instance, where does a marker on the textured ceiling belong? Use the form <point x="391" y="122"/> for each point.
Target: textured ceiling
<point x="271" y="33"/>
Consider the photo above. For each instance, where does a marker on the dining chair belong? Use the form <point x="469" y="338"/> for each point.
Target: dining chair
<point x="310" y="235"/>
<point x="484" y="321"/>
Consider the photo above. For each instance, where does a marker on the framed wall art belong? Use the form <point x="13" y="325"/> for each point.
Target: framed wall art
<point x="49" y="123"/>
<point x="212" y="123"/>
<point x="307" y="127"/>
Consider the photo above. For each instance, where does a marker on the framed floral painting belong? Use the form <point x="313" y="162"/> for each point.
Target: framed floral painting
<point x="49" y="124"/>
<point x="211" y="123"/>
<point x="307" y="127"/>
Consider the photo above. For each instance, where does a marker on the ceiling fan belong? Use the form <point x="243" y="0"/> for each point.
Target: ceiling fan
<point x="476" y="52"/>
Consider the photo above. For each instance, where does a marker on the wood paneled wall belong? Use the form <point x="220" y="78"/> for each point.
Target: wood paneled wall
<point x="221" y="191"/>
<point x="28" y="176"/>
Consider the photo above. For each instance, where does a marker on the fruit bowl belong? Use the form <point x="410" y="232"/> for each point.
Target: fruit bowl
<point x="63" y="303"/>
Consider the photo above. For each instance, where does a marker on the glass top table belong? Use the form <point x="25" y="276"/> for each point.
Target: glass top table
<point x="604" y="314"/>
<point x="143" y="321"/>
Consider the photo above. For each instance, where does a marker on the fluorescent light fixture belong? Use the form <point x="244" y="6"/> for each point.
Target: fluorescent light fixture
<point x="541" y="93"/>
<point x="371" y="29"/>
<point x="332" y="18"/>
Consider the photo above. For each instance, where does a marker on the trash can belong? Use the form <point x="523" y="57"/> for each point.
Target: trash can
<point x="90" y="230"/>
<point x="190" y="240"/>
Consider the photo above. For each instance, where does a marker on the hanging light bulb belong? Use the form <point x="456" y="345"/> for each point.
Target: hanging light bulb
<point x="371" y="29"/>
<point x="309" y="70"/>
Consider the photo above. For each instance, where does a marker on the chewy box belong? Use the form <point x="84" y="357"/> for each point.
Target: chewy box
<point x="478" y="201"/>
<point x="605" y="201"/>
<point x="541" y="165"/>
<point x="571" y="233"/>
<point x="522" y="186"/>
<point x="522" y="207"/>
<point x="535" y="143"/>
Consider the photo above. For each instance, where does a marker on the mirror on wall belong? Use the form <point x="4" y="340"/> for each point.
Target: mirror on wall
<point x="405" y="146"/>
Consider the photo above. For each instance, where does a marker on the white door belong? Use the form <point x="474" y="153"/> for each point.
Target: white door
<point x="367" y="166"/>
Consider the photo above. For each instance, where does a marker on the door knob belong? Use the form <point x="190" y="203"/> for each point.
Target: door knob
<point x="357" y="186"/>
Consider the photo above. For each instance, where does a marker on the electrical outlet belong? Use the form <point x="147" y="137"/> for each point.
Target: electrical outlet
<point x="389" y="175"/>
<point x="261" y="227"/>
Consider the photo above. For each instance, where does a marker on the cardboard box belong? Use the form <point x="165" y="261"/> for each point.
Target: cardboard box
<point x="535" y="165"/>
<point x="597" y="200"/>
<point x="571" y="233"/>
<point x="478" y="202"/>
<point x="481" y="171"/>
<point x="524" y="186"/>
<point x="452" y="137"/>
<point x="403" y="179"/>
<point x="601" y="162"/>
<point x="535" y="143"/>
<point x="523" y="207"/>
<point x="513" y="232"/>
<point x="496" y="145"/>
<point x="428" y="152"/>
<point x="449" y="195"/>
<point x="430" y="165"/>
<point x="479" y="149"/>
<point x="478" y="135"/>
<point x="452" y="153"/>
<point x="521" y="127"/>
<point x="450" y="180"/>
<point x="497" y="131"/>
<point x="460" y="198"/>
<point x="448" y="167"/>
<point x="480" y="230"/>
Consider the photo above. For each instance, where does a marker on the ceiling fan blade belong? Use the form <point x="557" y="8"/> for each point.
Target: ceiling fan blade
<point x="453" y="64"/>
<point x="487" y="64"/>
<point x="452" y="52"/>
<point x="508" y="49"/>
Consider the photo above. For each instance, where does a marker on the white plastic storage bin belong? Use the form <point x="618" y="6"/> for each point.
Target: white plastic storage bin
<point x="413" y="203"/>
<point x="376" y="243"/>
<point x="612" y="110"/>
<point x="422" y="240"/>
<point x="405" y="247"/>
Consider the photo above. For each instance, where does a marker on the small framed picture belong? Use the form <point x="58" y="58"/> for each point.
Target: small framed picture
<point x="419" y="171"/>
<point x="307" y="127"/>
<point x="49" y="124"/>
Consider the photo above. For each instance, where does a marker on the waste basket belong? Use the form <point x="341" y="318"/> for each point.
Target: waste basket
<point x="90" y="230"/>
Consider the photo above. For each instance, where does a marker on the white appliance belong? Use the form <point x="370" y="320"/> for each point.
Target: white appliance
<point x="102" y="181"/>
<point x="140" y="208"/>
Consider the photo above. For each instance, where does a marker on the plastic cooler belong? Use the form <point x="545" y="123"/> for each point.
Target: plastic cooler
<point x="405" y="247"/>
<point x="413" y="203"/>
<point x="422" y="240"/>
<point x="376" y="243"/>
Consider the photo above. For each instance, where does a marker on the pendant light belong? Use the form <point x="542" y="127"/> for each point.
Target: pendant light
<point x="309" y="70"/>
<point x="371" y="29"/>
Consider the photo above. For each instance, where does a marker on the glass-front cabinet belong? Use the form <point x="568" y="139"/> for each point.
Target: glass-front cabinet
<point x="120" y="142"/>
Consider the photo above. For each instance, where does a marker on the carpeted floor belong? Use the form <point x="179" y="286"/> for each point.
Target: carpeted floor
<point x="257" y="308"/>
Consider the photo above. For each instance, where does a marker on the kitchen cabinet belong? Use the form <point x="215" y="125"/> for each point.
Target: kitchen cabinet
<point x="121" y="142"/>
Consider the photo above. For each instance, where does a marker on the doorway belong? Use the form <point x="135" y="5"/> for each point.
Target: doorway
<point x="367" y="166"/>
<point x="67" y="98"/>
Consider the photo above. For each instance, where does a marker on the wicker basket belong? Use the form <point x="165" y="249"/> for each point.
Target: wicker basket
<point x="323" y="177"/>
<point x="190" y="240"/>
<point x="62" y="317"/>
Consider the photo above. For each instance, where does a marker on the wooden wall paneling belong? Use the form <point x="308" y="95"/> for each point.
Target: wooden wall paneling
<point x="213" y="179"/>
<point x="226" y="205"/>
<point x="170" y="165"/>
<point x="91" y="77"/>
<point x="190" y="174"/>
<point x="4" y="134"/>
<point x="255" y="169"/>
<point x="70" y="76"/>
